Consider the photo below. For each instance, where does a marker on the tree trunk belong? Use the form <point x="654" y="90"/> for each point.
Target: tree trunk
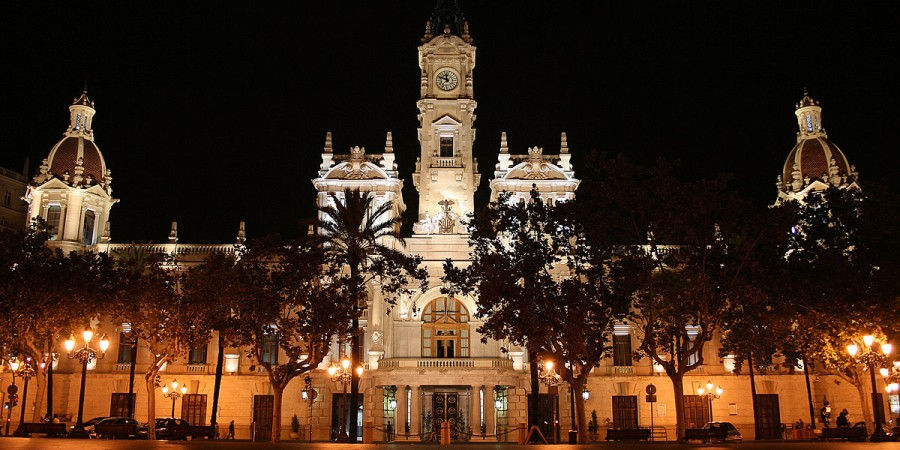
<point x="278" y="390"/>
<point x="50" y="379"/>
<point x="678" y="387"/>
<point x="753" y="394"/>
<point x="151" y="405"/>
<point x="220" y="362"/>
<point x="535" y="389"/>
<point x="354" y="352"/>
<point x="809" y="397"/>
<point x="39" y="379"/>
<point x="583" y="437"/>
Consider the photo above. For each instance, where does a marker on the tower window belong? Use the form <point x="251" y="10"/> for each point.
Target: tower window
<point x="446" y="147"/>
<point x="87" y="231"/>
<point x="53" y="213"/>
<point x="809" y="124"/>
<point x="77" y="121"/>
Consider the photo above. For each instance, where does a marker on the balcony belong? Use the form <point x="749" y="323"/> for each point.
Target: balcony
<point x="445" y="363"/>
<point x="446" y="161"/>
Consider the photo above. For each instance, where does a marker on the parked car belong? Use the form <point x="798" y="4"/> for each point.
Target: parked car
<point x="731" y="433"/>
<point x="89" y="424"/>
<point x="169" y="428"/>
<point x="133" y="431"/>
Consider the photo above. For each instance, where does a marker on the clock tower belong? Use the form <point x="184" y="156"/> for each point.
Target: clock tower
<point x="446" y="174"/>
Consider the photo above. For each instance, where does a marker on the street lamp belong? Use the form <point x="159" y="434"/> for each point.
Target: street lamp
<point x="84" y="354"/>
<point x="342" y="374"/>
<point x="26" y="371"/>
<point x="175" y="393"/>
<point x="711" y="392"/>
<point x="547" y="374"/>
<point x="871" y="356"/>
<point x="309" y="394"/>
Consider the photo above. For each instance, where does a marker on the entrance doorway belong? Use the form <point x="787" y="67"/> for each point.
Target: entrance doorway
<point x="625" y="412"/>
<point x="263" y="410"/>
<point x="340" y="403"/>
<point x="193" y="409"/>
<point x="547" y="415"/>
<point x="696" y="411"/>
<point x="450" y="403"/>
<point x="768" y="417"/>
<point x="445" y="406"/>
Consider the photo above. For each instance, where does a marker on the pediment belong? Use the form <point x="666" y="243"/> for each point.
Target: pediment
<point x="356" y="170"/>
<point x="447" y="120"/>
<point x="535" y="170"/>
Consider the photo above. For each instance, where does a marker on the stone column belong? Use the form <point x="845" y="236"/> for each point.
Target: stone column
<point x="71" y="222"/>
<point x="475" y="414"/>
<point x="400" y="426"/>
<point x="415" y="410"/>
<point x="490" y="413"/>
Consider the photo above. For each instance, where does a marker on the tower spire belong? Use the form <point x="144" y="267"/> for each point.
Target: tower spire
<point x="447" y="16"/>
<point x="81" y="116"/>
<point x="809" y="117"/>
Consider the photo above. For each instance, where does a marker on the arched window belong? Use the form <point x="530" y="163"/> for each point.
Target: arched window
<point x="445" y="329"/>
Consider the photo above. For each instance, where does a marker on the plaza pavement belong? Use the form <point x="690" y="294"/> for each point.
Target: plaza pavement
<point x="95" y="444"/>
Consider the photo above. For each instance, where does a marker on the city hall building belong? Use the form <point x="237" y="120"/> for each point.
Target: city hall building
<point x="424" y="358"/>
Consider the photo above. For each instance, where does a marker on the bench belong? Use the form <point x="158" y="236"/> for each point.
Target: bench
<point x="116" y="430"/>
<point x="846" y="434"/>
<point x="705" y="434"/>
<point x="628" y="434"/>
<point x="50" y="429"/>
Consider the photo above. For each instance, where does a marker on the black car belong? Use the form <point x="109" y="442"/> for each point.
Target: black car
<point x="171" y="429"/>
<point x="89" y="424"/>
<point x="123" y="432"/>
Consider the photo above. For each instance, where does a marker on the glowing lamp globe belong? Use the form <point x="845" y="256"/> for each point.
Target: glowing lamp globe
<point x="852" y="349"/>
<point x="70" y="344"/>
<point x="868" y="340"/>
<point x="88" y="334"/>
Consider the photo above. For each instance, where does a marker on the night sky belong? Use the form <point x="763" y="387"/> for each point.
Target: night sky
<point x="209" y="114"/>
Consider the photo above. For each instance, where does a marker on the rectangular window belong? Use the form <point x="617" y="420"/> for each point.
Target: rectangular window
<point x="53" y="212"/>
<point x="121" y="404"/>
<point x="87" y="232"/>
<point x="193" y="409"/>
<point x="692" y="333"/>
<point x="197" y="355"/>
<point x="126" y="353"/>
<point x="446" y="146"/>
<point x="270" y="349"/>
<point x="622" y="355"/>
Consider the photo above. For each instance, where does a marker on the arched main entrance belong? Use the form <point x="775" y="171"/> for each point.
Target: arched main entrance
<point x="445" y="329"/>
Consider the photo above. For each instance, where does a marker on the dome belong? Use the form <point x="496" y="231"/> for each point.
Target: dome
<point x="812" y="157"/>
<point x="65" y="155"/>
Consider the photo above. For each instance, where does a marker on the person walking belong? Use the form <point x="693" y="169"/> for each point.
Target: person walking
<point x="843" y="421"/>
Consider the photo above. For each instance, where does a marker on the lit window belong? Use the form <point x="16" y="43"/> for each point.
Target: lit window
<point x="809" y="124"/>
<point x="127" y="349"/>
<point x="270" y="349"/>
<point x="197" y="355"/>
<point x="446" y="146"/>
<point x="77" y="121"/>
<point x="87" y="231"/>
<point x="53" y="213"/>
<point x="622" y="355"/>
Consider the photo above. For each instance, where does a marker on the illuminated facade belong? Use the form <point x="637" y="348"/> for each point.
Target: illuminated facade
<point x="425" y="359"/>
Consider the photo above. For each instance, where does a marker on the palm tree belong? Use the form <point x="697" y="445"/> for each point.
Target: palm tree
<point x="355" y="233"/>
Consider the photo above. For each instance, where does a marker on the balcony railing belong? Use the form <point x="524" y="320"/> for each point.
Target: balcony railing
<point x="196" y="368"/>
<point x="446" y="161"/>
<point x="440" y="363"/>
<point x="123" y="367"/>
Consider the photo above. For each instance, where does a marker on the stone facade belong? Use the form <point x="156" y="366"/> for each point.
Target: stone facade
<point x="427" y="346"/>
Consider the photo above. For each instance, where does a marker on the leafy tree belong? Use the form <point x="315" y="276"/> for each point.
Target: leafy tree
<point x="163" y="320"/>
<point x="46" y="295"/>
<point x="516" y="250"/>
<point x="288" y="299"/>
<point x="841" y="280"/>
<point x="361" y="237"/>
<point x="217" y="282"/>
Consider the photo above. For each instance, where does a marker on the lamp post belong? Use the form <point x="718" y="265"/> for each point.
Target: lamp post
<point x="547" y="374"/>
<point x="26" y="371"/>
<point x="711" y="392"/>
<point x="175" y="393"/>
<point x="84" y="354"/>
<point x="873" y="356"/>
<point x="12" y="390"/>
<point x="341" y="373"/>
<point x="309" y="395"/>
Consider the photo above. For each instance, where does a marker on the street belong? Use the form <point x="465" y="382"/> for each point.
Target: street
<point x="84" y="444"/>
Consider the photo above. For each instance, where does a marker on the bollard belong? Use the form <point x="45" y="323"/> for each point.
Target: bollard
<point x="445" y="432"/>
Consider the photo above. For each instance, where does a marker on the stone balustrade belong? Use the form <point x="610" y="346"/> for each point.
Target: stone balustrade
<point x="440" y="363"/>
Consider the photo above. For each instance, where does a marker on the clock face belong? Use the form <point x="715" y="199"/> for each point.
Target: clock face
<point x="446" y="80"/>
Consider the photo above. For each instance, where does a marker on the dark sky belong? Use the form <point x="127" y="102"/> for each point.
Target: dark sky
<point x="210" y="114"/>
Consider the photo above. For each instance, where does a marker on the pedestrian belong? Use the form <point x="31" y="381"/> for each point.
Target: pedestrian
<point x="843" y="421"/>
<point x="230" y="431"/>
<point x="825" y="414"/>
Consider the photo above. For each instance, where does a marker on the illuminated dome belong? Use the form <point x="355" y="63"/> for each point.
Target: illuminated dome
<point x="815" y="162"/>
<point x="75" y="159"/>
